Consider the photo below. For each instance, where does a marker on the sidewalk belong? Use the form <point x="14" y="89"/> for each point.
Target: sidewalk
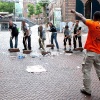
<point x="61" y="81"/>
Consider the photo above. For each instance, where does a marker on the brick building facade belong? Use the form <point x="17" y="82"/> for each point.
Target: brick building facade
<point x="86" y="7"/>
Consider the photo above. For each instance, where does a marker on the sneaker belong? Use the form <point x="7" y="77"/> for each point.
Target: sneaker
<point x="84" y="92"/>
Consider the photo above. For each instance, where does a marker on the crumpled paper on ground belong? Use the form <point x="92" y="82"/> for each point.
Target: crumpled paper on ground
<point x="35" y="54"/>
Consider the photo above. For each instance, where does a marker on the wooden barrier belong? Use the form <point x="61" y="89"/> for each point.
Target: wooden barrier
<point x="45" y="52"/>
<point x="50" y="45"/>
<point x="68" y="52"/>
<point x="14" y="50"/>
<point x="79" y="49"/>
<point x="27" y="51"/>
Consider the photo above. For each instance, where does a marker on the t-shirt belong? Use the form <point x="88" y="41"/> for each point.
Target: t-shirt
<point x="14" y="30"/>
<point x="66" y="32"/>
<point x="53" y="29"/>
<point x="76" y="29"/>
<point x="93" y="38"/>
<point x="79" y="30"/>
<point x="25" y="29"/>
<point x="42" y="34"/>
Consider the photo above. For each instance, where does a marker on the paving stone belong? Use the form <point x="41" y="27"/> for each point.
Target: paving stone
<point x="62" y="81"/>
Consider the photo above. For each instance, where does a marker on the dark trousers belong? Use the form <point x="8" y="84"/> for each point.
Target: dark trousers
<point x="11" y="41"/>
<point x="54" y="37"/>
<point x="25" y="40"/>
<point x="65" y="40"/>
<point x="79" y="41"/>
<point x="41" y="43"/>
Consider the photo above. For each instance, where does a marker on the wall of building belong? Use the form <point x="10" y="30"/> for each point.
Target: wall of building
<point x="66" y="6"/>
<point x="79" y="5"/>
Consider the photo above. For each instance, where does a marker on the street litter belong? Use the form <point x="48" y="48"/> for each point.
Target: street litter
<point x="54" y="53"/>
<point x="60" y="53"/>
<point x="78" y="67"/>
<point x="68" y="54"/>
<point x="35" y="54"/>
<point x="36" y="68"/>
<point x="45" y="53"/>
<point x="21" y="56"/>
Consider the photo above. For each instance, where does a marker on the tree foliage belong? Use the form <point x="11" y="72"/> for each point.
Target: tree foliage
<point x="38" y="9"/>
<point x="31" y="10"/>
<point x="43" y="3"/>
<point x="6" y="7"/>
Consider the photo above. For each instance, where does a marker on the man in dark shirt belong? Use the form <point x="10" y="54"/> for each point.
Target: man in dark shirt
<point x="14" y="34"/>
<point x="53" y="35"/>
<point x="77" y="34"/>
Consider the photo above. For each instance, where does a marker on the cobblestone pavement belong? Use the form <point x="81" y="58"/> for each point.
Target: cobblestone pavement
<point x="61" y="81"/>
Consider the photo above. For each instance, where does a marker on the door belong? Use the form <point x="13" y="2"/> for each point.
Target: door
<point x="88" y="13"/>
<point x="79" y="8"/>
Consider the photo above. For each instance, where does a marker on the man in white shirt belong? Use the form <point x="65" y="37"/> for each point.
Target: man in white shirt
<point x="27" y="36"/>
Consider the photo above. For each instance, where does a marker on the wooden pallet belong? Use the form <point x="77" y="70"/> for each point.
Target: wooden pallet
<point x="68" y="52"/>
<point x="27" y="51"/>
<point x="14" y="50"/>
<point x="50" y="45"/>
<point x="45" y="52"/>
<point x="78" y="49"/>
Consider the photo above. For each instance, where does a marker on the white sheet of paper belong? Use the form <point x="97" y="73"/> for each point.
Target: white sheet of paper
<point x="36" y="68"/>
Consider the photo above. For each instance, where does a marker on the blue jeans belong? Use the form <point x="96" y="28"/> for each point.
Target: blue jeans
<point x="54" y="37"/>
<point x="11" y="41"/>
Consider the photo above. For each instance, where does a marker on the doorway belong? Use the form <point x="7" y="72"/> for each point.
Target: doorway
<point x="88" y="9"/>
